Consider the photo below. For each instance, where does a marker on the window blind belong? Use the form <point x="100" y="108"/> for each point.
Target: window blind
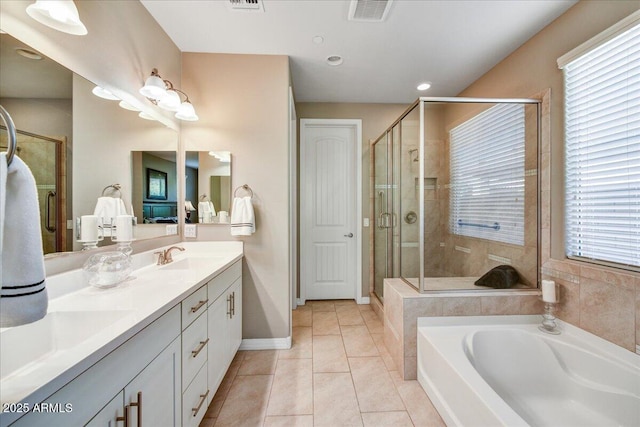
<point x="487" y="175"/>
<point x="602" y="147"/>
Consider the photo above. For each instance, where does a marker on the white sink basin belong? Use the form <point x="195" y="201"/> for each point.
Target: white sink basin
<point x="191" y="263"/>
<point x="23" y="346"/>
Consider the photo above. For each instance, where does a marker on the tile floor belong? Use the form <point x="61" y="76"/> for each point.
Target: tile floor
<point x="337" y="373"/>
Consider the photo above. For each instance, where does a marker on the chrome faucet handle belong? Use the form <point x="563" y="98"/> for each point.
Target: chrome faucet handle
<point x="161" y="258"/>
<point x="167" y="254"/>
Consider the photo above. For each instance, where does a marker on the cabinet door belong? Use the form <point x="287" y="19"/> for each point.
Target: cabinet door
<point x="218" y="313"/>
<point x="235" y="322"/>
<point x="153" y="397"/>
<point x="107" y="416"/>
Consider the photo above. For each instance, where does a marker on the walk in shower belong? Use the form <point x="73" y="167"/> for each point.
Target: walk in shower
<point x="455" y="193"/>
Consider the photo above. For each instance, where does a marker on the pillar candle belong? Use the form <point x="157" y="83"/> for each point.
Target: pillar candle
<point x="124" y="228"/>
<point x="89" y="228"/>
<point x="549" y="291"/>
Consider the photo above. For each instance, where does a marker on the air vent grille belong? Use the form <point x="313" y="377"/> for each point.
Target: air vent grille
<point x="369" y="10"/>
<point x="246" y="5"/>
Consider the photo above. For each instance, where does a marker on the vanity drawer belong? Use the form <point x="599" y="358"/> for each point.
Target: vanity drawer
<point x="222" y="281"/>
<point x="193" y="306"/>
<point x="194" y="400"/>
<point x="194" y="349"/>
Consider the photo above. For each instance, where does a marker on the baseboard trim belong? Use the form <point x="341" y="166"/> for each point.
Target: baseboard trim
<point x="266" y="344"/>
<point x="363" y="300"/>
<point x="300" y="302"/>
<point x="638" y="349"/>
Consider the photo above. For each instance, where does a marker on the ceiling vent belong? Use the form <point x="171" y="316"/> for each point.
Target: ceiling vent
<point x="246" y="5"/>
<point x="369" y="10"/>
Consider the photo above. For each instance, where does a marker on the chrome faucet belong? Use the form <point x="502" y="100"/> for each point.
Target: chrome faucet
<point x="164" y="257"/>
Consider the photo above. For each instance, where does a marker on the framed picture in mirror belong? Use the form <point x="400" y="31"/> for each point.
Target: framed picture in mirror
<point x="156" y="184"/>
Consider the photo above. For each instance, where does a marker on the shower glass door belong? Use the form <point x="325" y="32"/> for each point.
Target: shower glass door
<point x="43" y="155"/>
<point x="382" y="236"/>
<point x="386" y="205"/>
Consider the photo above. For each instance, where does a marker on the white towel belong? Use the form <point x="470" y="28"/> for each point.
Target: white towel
<point x="243" y="221"/>
<point x="108" y="208"/>
<point x="206" y="212"/>
<point x="23" y="295"/>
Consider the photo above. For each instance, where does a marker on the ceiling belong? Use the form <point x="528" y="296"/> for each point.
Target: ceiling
<point x="448" y="43"/>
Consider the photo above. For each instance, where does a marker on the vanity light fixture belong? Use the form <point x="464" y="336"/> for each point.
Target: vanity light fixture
<point x="61" y="15"/>
<point x="162" y="93"/>
<point x="146" y="116"/>
<point x="127" y="106"/>
<point x="104" y="94"/>
<point x="29" y="54"/>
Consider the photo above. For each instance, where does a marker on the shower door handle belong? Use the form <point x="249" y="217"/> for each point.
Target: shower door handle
<point x="50" y="228"/>
<point x="381" y="209"/>
<point x="350" y="235"/>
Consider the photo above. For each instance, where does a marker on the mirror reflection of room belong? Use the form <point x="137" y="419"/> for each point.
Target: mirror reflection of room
<point x="154" y="179"/>
<point x="208" y="187"/>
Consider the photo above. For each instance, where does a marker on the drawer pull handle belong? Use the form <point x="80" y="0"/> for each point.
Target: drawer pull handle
<point x="138" y="406"/>
<point x="194" y="353"/>
<point x="229" y="312"/>
<point x="203" y="398"/>
<point x="125" y="417"/>
<point x="199" y="305"/>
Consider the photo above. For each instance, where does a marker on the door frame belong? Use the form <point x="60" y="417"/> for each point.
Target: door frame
<point x="356" y="124"/>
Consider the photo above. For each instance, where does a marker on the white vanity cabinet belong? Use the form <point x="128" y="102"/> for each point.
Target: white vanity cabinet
<point x="150" y="399"/>
<point x="225" y="323"/>
<point x="148" y="363"/>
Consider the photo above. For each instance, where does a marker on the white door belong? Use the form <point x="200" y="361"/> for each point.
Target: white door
<point x="329" y="208"/>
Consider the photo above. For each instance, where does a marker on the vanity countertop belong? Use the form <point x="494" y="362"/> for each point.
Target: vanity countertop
<point x="88" y="323"/>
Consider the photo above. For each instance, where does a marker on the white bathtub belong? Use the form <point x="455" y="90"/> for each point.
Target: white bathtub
<point x="502" y="371"/>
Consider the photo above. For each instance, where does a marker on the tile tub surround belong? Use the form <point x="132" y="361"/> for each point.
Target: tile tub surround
<point x="330" y="377"/>
<point x="403" y="305"/>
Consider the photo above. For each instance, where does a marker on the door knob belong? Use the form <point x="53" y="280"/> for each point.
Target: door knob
<point x="349" y="235"/>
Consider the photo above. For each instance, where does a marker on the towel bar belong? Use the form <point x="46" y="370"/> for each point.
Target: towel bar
<point x="11" y="131"/>
<point x="116" y="187"/>
<point x="243" y="187"/>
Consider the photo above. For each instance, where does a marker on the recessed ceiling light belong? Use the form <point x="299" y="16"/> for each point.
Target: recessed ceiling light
<point x="28" y="54"/>
<point x="424" y="86"/>
<point x="318" y="39"/>
<point x="334" y="60"/>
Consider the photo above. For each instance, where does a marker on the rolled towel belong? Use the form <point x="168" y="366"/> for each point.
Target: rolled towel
<point x="23" y="293"/>
<point x="243" y="222"/>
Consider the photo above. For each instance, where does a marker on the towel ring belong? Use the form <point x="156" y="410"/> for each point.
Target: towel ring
<point x="116" y="187"/>
<point x="11" y="131"/>
<point x="243" y="187"/>
<point x="204" y="198"/>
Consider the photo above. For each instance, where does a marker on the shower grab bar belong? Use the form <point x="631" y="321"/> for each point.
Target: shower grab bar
<point x="48" y="226"/>
<point x="11" y="131"/>
<point x="495" y="226"/>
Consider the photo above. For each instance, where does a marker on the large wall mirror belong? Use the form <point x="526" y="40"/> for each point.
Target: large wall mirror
<point x="208" y="186"/>
<point x="78" y="145"/>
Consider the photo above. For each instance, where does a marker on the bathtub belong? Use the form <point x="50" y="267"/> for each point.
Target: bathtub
<point x="503" y="371"/>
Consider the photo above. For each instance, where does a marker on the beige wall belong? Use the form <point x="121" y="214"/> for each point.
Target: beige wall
<point x="376" y="118"/>
<point x="243" y="105"/>
<point x="604" y="301"/>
